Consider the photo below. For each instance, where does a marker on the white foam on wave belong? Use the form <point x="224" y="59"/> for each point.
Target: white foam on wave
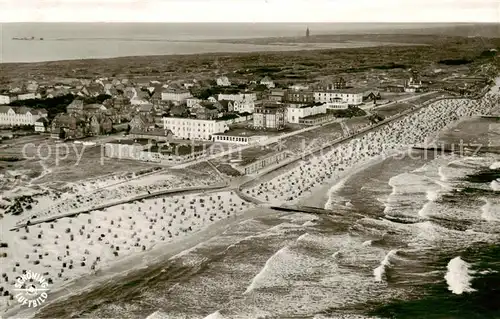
<point x="215" y="315"/>
<point x="458" y="276"/>
<point x="495" y="165"/>
<point x="495" y="185"/>
<point x="367" y="243"/>
<point x="276" y="264"/>
<point x="380" y="270"/>
<point x="332" y="191"/>
<point x="491" y="211"/>
<point x="158" y="315"/>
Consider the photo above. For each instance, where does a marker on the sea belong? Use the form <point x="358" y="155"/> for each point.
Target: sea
<point x="413" y="236"/>
<point x="67" y="41"/>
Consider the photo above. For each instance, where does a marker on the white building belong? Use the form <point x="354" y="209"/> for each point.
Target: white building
<point x="246" y="106"/>
<point x="351" y="97"/>
<point x="184" y="128"/>
<point x="26" y="96"/>
<point x="176" y="96"/>
<point x="191" y="102"/>
<point x="6" y="99"/>
<point x="223" y="81"/>
<point x="337" y="104"/>
<point x="299" y="87"/>
<point x="41" y="125"/>
<point x="296" y="112"/>
<point x="11" y="116"/>
<point x="240" y="97"/>
<point x="267" y="82"/>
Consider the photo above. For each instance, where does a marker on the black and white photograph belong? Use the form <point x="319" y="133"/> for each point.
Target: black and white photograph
<point x="250" y="159"/>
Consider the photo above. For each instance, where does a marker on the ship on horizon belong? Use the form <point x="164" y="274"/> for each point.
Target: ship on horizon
<point x="27" y="38"/>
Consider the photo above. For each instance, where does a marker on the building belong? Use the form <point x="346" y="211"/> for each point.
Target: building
<point x="412" y="86"/>
<point x="26" y="96"/>
<point x="223" y="81"/>
<point x="295" y="112"/>
<point x="240" y="97"/>
<point x="371" y="95"/>
<point x="141" y="123"/>
<point x="267" y="82"/>
<point x="41" y="125"/>
<point x="351" y="97"/>
<point x="317" y="119"/>
<point x="192" y="102"/>
<point x="337" y="104"/>
<point x="7" y="99"/>
<point x="245" y="106"/>
<point x="12" y="116"/>
<point x="262" y="163"/>
<point x="299" y="87"/>
<point x="75" y="107"/>
<point x="100" y="124"/>
<point x="338" y="84"/>
<point x="68" y="126"/>
<point x="175" y="95"/>
<point x="269" y="116"/>
<point x="205" y="111"/>
<point x="185" y="128"/>
<point x="278" y="95"/>
<point x="300" y="97"/>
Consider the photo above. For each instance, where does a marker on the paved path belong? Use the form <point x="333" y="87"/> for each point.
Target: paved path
<point x="183" y="190"/>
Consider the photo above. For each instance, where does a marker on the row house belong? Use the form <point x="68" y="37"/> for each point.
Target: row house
<point x="11" y="116"/>
<point x="351" y="97"/>
<point x="194" y="129"/>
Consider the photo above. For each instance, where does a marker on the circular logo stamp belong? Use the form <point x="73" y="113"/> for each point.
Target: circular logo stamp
<point x="31" y="289"/>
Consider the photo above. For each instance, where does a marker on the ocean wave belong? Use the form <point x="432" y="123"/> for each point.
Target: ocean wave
<point x="215" y="315"/>
<point x="158" y="315"/>
<point x="495" y="185"/>
<point x="495" y="165"/>
<point x="491" y="211"/>
<point x="380" y="270"/>
<point x="281" y="263"/>
<point x="459" y="276"/>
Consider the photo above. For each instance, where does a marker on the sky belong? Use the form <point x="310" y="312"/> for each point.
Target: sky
<point x="250" y="11"/>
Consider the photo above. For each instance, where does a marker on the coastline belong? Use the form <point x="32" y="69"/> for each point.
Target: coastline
<point x="129" y="265"/>
<point x="230" y="48"/>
